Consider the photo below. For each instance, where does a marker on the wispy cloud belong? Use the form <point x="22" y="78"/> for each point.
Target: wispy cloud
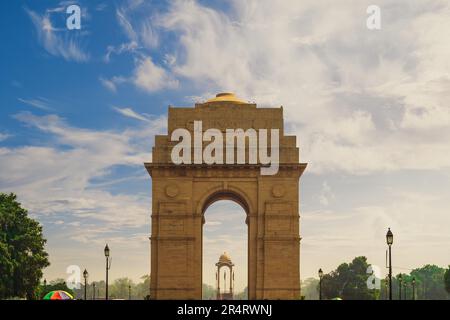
<point x="126" y="25"/>
<point x="4" y="136"/>
<point x="124" y="47"/>
<point x="128" y="112"/>
<point x="56" y="41"/>
<point x="111" y="84"/>
<point x="101" y="6"/>
<point x="326" y="195"/>
<point x="40" y="103"/>
<point x="139" y="31"/>
<point x="108" y="84"/>
<point x="132" y="45"/>
<point x="147" y="76"/>
<point x="151" y="77"/>
<point x="142" y="38"/>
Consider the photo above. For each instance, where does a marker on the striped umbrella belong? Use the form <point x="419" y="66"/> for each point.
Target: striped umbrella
<point x="58" y="295"/>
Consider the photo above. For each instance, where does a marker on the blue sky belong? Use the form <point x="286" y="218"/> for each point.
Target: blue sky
<point x="79" y="109"/>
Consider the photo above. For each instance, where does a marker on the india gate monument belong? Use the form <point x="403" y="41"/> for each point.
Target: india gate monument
<point x="258" y="168"/>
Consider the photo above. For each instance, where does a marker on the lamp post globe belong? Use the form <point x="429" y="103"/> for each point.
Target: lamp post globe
<point x="106" y="251"/>
<point x="389" y="237"/>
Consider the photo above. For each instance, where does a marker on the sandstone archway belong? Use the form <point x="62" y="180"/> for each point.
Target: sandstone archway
<point x="181" y="194"/>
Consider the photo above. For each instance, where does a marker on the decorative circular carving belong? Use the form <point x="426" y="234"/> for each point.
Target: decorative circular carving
<point x="278" y="191"/>
<point x="172" y="190"/>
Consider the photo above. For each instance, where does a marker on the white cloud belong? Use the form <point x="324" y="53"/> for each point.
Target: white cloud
<point x="128" y="112"/>
<point x="4" y="136"/>
<point x="126" y="25"/>
<point x="50" y="186"/>
<point x="150" y="77"/>
<point x="360" y="101"/>
<point x="326" y="194"/>
<point x="147" y="76"/>
<point x="101" y="6"/>
<point x="213" y="223"/>
<point x="134" y="4"/>
<point x="148" y="35"/>
<point x="40" y="103"/>
<point x="124" y="47"/>
<point x="111" y="84"/>
<point x="53" y="41"/>
<point x="108" y="84"/>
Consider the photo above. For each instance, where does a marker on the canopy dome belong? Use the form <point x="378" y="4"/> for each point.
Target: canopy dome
<point x="224" y="258"/>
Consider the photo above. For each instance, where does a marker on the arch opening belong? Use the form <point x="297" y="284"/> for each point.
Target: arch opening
<point x="224" y="247"/>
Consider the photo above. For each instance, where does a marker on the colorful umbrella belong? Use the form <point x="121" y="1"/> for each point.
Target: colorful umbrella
<point x="58" y="295"/>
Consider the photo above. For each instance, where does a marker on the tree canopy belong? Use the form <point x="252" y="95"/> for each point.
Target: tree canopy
<point x="22" y="252"/>
<point x="118" y="289"/>
<point x="429" y="284"/>
<point x="348" y="281"/>
<point x="447" y="279"/>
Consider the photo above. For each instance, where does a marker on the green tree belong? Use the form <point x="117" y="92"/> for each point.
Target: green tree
<point x="120" y="288"/>
<point x="208" y="292"/>
<point x="142" y="289"/>
<point x="447" y="279"/>
<point x="310" y="289"/>
<point x="99" y="290"/>
<point x="348" y="281"/>
<point x="429" y="282"/>
<point x="243" y="295"/>
<point x="22" y="254"/>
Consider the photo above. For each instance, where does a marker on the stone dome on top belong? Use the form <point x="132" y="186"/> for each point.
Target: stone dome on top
<point x="225" y="97"/>
<point x="224" y="258"/>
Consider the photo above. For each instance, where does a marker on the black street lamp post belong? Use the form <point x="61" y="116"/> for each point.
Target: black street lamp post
<point x="85" y="276"/>
<point x="129" y="292"/>
<point x="414" y="288"/>
<point x="108" y="266"/>
<point x="400" y="286"/>
<point x="390" y="240"/>
<point x="320" y="283"/>
<point x="93" y="290"/>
